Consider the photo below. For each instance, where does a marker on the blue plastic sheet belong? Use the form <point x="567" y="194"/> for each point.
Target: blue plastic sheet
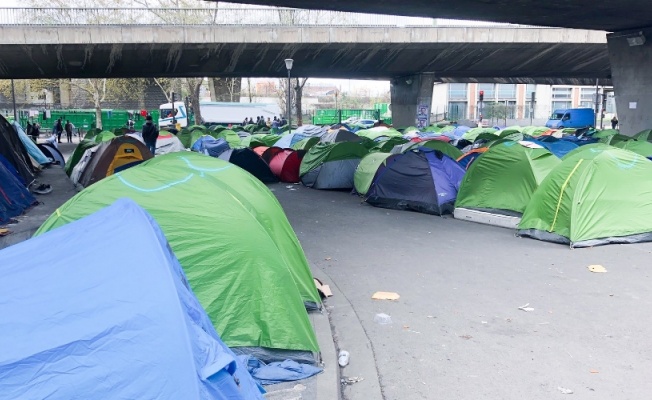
<point x="277" y="372"/>
<point x="31" y="147"/>
<point x="101" y="309"/>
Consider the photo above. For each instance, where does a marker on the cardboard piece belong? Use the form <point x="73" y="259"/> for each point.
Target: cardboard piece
<point x="385" y="296"/>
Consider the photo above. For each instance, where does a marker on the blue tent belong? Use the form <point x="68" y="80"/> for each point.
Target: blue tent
<point x="289" y="140"/>
<point x="422" y="180"/>
<point x="100" y="308"/>
<point x="14" y="197"/>
<point x="557" y="147"/>
<point x="31" y="147"/>
<point x="210" y="146"/>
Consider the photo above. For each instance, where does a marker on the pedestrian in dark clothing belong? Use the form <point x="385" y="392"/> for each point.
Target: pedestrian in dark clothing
<point x="614" y="122"/>
<point x="58" y="129"/>
<point x="36" y="131"/>
<point x="30" y="130"/>
<point x="150" y="134"/>
<point x="68" y="129"/>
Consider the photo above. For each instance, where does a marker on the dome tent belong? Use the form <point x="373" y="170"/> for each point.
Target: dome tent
<point x="242" y="258"/>
<point x="251" y="162"/>
<point x="422" y="180"/>
<point x="504" y="178"/>
<point x="331" y="165"/>
<point x="110" y="322"/>
<point x="594" y="197"/>
<point x="286" y="164"/>
<point x="367" y="170"/>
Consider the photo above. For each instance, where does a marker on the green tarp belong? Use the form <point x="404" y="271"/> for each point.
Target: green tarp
<point x="505" y="177"/>
<point x="325" y="152"/>
<point x="241" y="256"/>
<point x="595" y="196"/>
<point x="366" y="170"/>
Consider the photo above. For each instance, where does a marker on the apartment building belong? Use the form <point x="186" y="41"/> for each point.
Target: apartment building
<point x="512" y="102"/>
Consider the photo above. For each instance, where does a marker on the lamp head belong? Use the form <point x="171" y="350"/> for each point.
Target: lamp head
<point x="288" y="63"/>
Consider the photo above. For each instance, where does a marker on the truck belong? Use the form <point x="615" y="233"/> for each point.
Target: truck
<point x="571" y="118"/>
<point x="216" y="113"/>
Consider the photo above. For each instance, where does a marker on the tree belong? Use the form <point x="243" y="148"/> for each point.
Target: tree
<point x="193" y="85"/>
<point x="299" y="83"/>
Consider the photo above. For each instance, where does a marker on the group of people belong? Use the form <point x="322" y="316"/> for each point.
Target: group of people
<point x="59" y="128"/>
<point x="33" y="130"/>
<point x="260" y="121"/>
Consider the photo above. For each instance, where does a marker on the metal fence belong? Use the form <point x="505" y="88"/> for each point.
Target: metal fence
<point x="209" y="16"/>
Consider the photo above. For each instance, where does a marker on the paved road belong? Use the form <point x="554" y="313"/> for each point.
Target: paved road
<point x="457" y="332"/>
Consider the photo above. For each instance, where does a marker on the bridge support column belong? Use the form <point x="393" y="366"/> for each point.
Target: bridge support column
<point x="412" y="100"/>
<point x="631" y="75"/>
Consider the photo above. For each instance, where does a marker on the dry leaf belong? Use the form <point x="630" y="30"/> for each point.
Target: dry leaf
<point x="385" y="296"/>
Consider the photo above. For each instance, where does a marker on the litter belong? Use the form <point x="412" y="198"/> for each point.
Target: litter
<point x="383" y="319"/>
<point x="343" y="358"/>
<point x="385" y="296"/>
<point x="594" y="371"/>
<point x="324" y="290"/>
<point x="4" y="232"/>
<point x="597" y="268"/>
<point x="351" y="380"/>
<point x="564" y="390"/>
<point x="526" y="308"/>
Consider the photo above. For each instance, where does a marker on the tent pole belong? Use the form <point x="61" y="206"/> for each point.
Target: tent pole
<point x="597" y="101"/>
<point x="13" y="98"/>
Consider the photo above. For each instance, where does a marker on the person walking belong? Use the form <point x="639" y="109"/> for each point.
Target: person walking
<point x="36" y="131"/>
<point x="68" y="129"/>
<point x="150" y="134"/>
<point x="614" y="122"/>
<point x="58" y="129"/>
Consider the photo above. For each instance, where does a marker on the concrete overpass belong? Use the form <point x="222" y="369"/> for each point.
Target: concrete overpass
<point x="541" y="55"/>
<point x="630" y="43"/>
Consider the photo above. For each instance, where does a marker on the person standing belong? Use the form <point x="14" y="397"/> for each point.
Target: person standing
<point x="68" y="129"/>
<point x="614" y="122"/>
<point x="150" y="134"/>
<point x="58" y="129"/>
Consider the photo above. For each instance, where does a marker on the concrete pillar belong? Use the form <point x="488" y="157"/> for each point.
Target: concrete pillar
<point x="410" y="96"/>
<point x="65" y="93"/>
<point x="632" y="79"/>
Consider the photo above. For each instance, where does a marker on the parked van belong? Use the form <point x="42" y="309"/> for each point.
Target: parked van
<point x="571" y="118"/>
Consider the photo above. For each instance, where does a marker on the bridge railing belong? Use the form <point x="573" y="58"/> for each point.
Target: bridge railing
<point x="49" y="16"/>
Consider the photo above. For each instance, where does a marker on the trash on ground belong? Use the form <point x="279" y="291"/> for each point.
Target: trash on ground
<point x="343" y="358"/>
<point x="328" y="258"/>
<point x="385" y="296"/>
<point x="526" y="308"/>
<point x="466" y="337"/>
<point x="324" y="290"/>
<point x="594" y="371"/>
<point x="350" y="381"/>
<point x="383" y="319"/>
<point x="4" y="232"/>
<point x="277" y="372"/>
<point x="42" y="189"/>
<point x="597" y="268"/>
<point x="564" y="390"/>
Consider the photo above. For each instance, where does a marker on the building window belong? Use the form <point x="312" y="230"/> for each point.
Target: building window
<point x="506" y="91"/>
<point x="529" y="88"/>
<point x="562" y="93"/>
<point x="587" y="95"/>
<point x="457" y="91"/>
<point x="457" y="110"/>
<point x="489" y="91"/>
<point x="561" y="105"/>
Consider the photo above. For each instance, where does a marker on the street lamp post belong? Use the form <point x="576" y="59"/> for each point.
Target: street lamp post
<point x="288" y="65"/>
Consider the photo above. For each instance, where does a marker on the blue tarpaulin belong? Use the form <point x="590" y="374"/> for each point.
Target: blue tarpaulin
<point x="31" y="147"/>
<point x="277" y="372"/>
<point x="101" y="309"/>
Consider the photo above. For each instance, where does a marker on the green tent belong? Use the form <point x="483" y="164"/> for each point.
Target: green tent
<point x="592" y="147"/>
<point x="615" y="139"/>
<point x="605" y="133"/>
<point x="189" y="138"/>
<point x="366" y="171"/>
<point x="472" y="134"/>
<point x="643" y="148"/>
<point x="305" y="144"/>
<point x="259" y="139"/>
<point x="92" y="133"/>
<point x="331" y="165"/>
<point x="201" y="128"/>
<point x="644" y="135"/>
<point x="242" y="258"/>
<point x="446" y="148"/>
<point x="505" y="177"/>
<point x="375" y="133"/>
<point x="593" y="197"/>
<point x="534" y="131"/>
<point x="386" y="146"/>
<point x="83" y="146"/>
<point x="231" y="137"/>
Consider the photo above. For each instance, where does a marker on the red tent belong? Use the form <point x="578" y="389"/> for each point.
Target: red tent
<point x="285" y="165"/>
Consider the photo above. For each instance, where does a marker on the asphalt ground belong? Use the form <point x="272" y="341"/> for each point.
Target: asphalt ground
<point x="457" y="331"/>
